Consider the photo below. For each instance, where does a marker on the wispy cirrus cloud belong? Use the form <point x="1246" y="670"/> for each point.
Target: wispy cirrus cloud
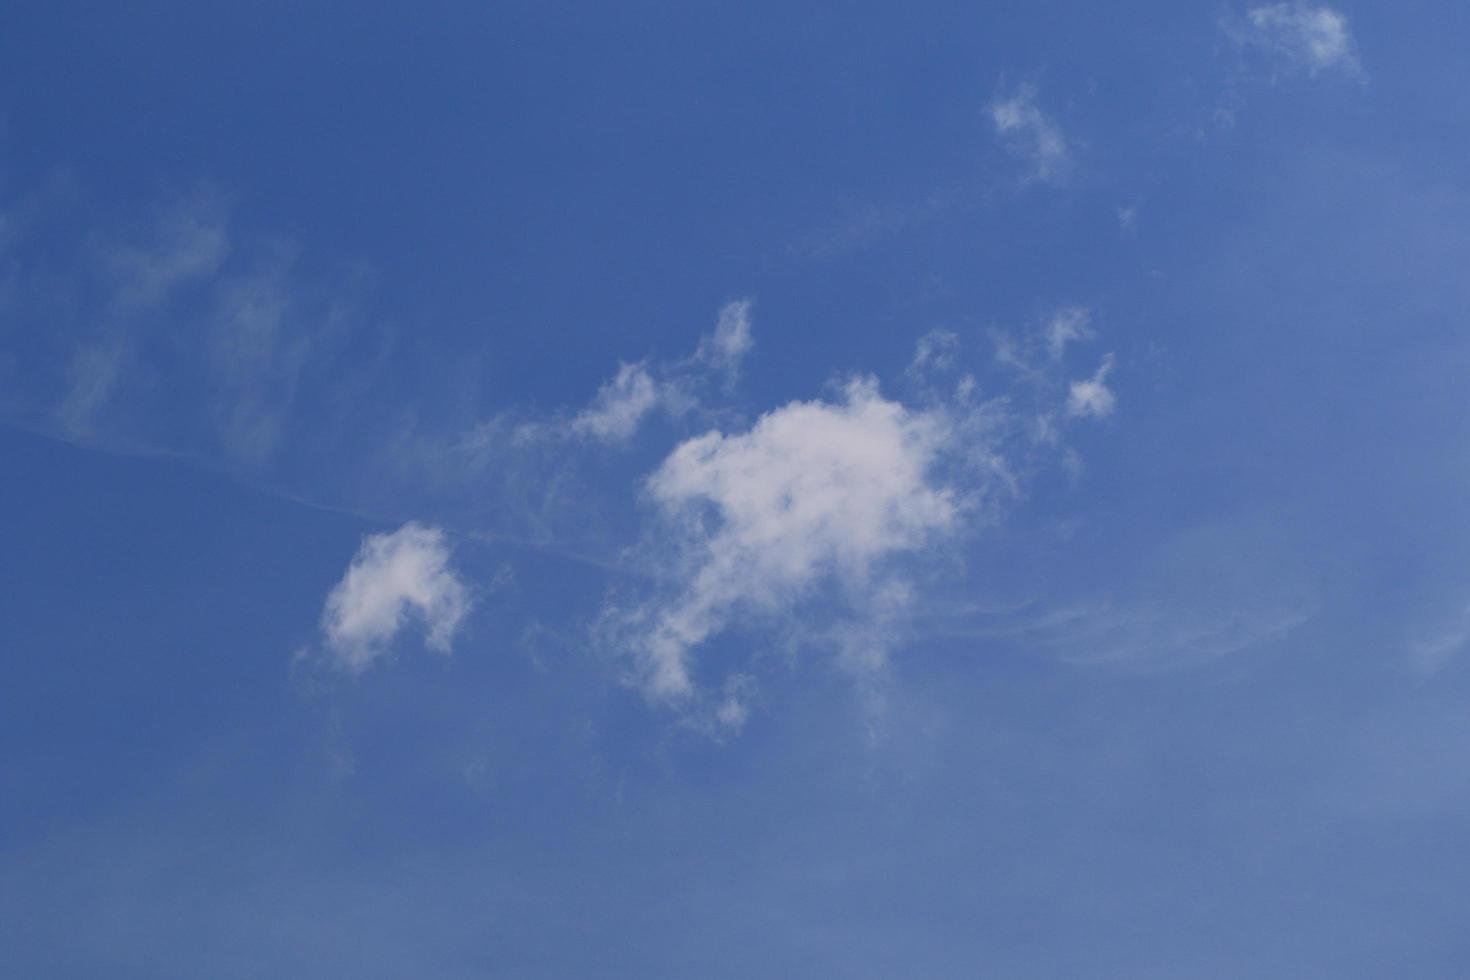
<point x="187" y="241"/>
<point x="1091" y="397"/>
<point x="176" y="332"/>
<point x="1208" y="592"/>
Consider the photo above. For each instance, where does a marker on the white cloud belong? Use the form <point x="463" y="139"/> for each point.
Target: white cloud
<point x="814" y="492"/>
<point x="1031" y="135"/>
<point x="1092" y="397"/>
<point x="1066" y="326"/>
<point x="620" y="406"/>
<point x="625" y="402"/>
<point x="1300" y="35"/>
<point x="392" y="579"/>
<point x="725" y="349"/>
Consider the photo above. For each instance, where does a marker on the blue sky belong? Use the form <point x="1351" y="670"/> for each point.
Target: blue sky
<point x="544" y="490"/>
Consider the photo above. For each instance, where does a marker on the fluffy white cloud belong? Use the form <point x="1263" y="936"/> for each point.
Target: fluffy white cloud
<point x="1312" y="37"/>
<point x="1092" y="397"/>
<point x="815" y="491"/>
<point x="393" y="578"/>
<point x="1031" y="135"/>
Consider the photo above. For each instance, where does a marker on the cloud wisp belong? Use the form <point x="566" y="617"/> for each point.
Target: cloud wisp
<point x="1091" y="397"/>
<point x="1300" y="37"/>
<point x="1032" y="136"/>
<point x="174" y="332"/>
<point x="640" y="389"/>
<point x="1207" y="593"/>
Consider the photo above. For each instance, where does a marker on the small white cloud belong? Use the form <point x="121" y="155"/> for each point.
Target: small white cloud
<point x="1069" y="324"/>
<point x="733" y="710"/>
<point x="1300" y="35"/>
<point x="638" y="390"/>
<point x="1092" y="398"/>
<point x="620" y="406"/>
<point x="1032" y="136"/>
<point x="725" y="349"/>
<point x="393" y="578"/>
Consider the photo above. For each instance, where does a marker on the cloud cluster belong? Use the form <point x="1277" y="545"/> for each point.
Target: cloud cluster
<point x="816" y="522"/>
<point x="393" y="579"/>
<point x="639" y="389"/>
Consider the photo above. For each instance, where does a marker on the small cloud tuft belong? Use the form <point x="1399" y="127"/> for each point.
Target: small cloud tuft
<point x="393" y="578"/>
<point x="1091" y="398"/>
<point x="1032" y="136"/>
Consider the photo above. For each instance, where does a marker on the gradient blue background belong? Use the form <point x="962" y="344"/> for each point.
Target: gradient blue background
<point x="510" y="198"/>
